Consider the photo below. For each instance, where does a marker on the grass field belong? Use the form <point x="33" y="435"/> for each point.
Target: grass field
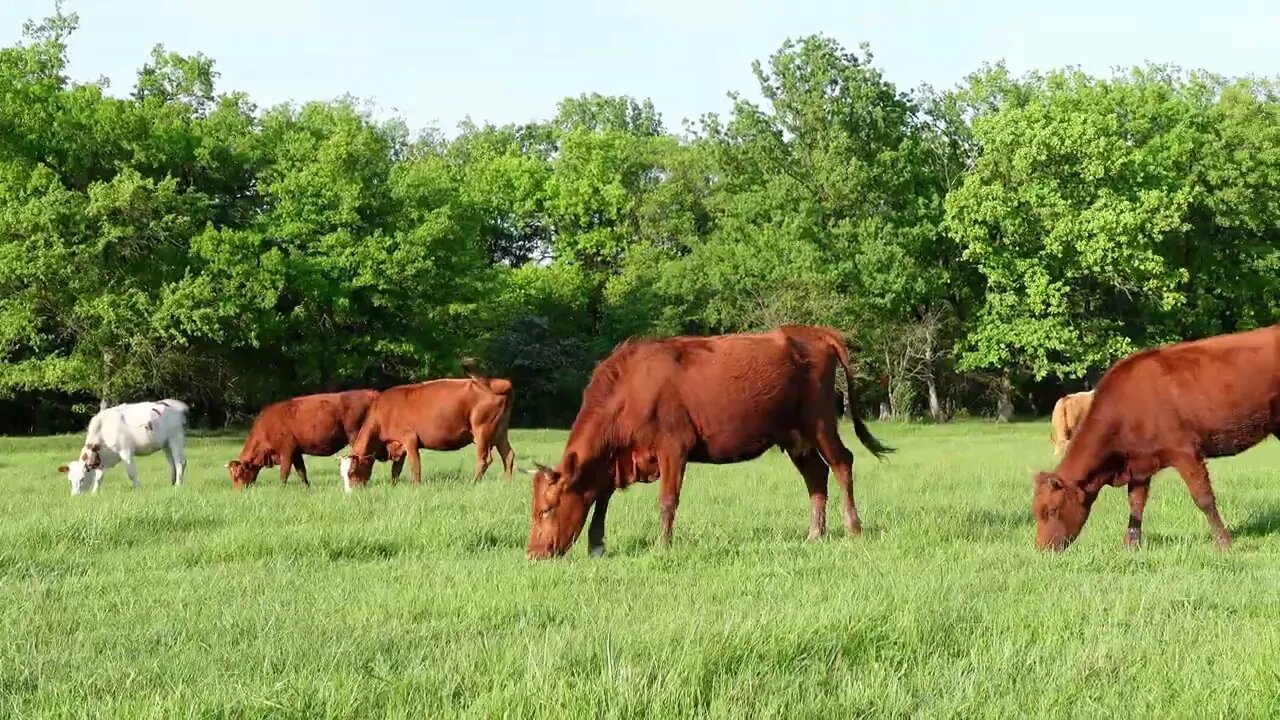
<point x="417" y="602"/>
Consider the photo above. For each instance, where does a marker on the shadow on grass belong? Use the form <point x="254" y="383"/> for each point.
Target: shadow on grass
<point x="1260" y="523"/>
<point x="1011" y="519"/>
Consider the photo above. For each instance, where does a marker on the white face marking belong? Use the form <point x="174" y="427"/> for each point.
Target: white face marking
<point x="345" y="468"/>
<point x="78" y="477"/>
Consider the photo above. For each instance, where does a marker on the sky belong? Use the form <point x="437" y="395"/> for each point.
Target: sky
<point x="436" y="62"/>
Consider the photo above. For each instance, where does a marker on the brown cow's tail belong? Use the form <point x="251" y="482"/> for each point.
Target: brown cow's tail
<point x="859" y="427"/>
<point x="498" y="386"/>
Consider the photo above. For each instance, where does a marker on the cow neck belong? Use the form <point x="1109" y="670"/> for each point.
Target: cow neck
<point x="1085" y="463"/>
<point x="592" y="448"/>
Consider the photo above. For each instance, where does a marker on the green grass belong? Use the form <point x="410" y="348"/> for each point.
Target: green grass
<point x="418" y="601"/>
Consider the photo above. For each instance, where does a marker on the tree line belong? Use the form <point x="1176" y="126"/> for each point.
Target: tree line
<point x="985" y="247"/>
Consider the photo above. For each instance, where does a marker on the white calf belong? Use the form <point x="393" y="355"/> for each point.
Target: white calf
<point x="121" y="433"/>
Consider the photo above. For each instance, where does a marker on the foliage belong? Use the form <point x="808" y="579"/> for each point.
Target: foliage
<point x="1018" y="233"/>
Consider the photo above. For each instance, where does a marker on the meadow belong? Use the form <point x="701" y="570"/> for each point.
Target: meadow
<point x="418" y="601"/>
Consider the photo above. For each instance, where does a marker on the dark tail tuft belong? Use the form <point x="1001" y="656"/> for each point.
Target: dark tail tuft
<point x="868" y="440"/>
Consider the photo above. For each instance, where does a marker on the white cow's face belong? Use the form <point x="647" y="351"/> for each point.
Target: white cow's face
<point x="81" y="479"/>
<point x="344" y="467"/>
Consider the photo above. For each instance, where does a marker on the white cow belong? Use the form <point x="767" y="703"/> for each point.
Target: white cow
<point x="122" y="433"/>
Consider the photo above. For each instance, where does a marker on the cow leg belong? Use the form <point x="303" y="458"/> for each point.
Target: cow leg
<point x="595" y="533"/>
<point x="131" y="469"/>
<point x="415" y="462"/>
<point x="301" y="467"/>
<point x="484" y="455"/>
<point x="815" y="474"/>
<point x="1196" y="475"/>
<point x="173" y="451"/>
<point x="840" y="459"/>
<point x="396" y="467"/>
<point x="507" y="453"/>
<point x="671" y="477"/>
<point x="286" y="464"/>
<point x="1137" y="502"/>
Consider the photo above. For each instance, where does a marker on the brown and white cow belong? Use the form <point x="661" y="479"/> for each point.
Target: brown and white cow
<point x="284" y="431"/>
<point x="1174" y="406"/>
<point x="653" y="406"/>
<point x="1068" y="413"/>
<point x="446" y="414"/>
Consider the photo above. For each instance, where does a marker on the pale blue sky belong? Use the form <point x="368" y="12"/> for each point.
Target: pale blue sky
<point x="435" y="62"/>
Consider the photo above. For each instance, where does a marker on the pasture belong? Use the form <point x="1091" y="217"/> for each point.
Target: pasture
<point x="418" y="601"/>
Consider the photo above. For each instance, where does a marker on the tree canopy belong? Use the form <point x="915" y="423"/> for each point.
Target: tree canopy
<point x="996" y="242"/>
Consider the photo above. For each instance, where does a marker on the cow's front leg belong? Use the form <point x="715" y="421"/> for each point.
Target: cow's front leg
<point x="595" y="533"/>
<point x="1137" y="503"/>
<point x="671" y="477"/>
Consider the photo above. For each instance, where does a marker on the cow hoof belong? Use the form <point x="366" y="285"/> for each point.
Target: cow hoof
<point x="597" y="551"/>
<point x="1223" y="543"/>
<point x="814" y="536"/>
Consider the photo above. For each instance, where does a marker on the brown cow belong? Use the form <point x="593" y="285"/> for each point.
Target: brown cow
<point x="1068" y="412"/>
<point x="446" y="414"/>
<point x="652" y="406"/>
<point x="1173" y="406"/>
<point x="319" y="424"/>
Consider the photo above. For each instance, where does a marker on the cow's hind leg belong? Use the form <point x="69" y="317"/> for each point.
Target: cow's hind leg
<point x="595" y="533"/>
<point x="670" y="478"/>
<point x="836" y="455"/>
<point x="175" y="450"/>
<point x="815" y="473"/>
<point x="484" y="455"/>
<point x="508" y="454"/>
<point x="131" y="468"/>
<point x="1196" y="475"/>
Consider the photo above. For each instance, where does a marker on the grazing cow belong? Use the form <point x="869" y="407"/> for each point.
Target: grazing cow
<point x="652" y="406"/>
<point x="1068" y="412"/>
<point x="121" y="433"/>
<point x="319" y="425"/>
<point x="446" y="414"/>
<point x="1173" y="406"/>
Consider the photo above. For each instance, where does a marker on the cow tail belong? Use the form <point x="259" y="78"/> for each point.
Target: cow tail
<point x="497" y="386"/>
<point x="859" y="427"/>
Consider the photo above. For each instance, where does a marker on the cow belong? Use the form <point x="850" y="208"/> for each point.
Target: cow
<point x="320" y="425"/>
<point x="1068" y="413"/>
<point x="121" y="433"/>
<point x="652" y="406"/>
<point x="1173" y="406"/>
<point x="446" y="414"/>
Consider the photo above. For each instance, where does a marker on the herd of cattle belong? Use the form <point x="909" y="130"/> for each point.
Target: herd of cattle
<point x="653" y="406"/>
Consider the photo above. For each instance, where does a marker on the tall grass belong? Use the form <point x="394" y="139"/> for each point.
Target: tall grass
<point x="418" y="601"/>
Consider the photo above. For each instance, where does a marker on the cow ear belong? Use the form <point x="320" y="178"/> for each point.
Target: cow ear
<point x="64" y="469"/>
<point x="570" y="464"/>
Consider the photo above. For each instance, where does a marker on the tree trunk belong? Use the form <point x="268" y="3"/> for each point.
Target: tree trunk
<point x="104" y="397"/>
<point x="935" y="405"/>
<point x="1004" y="404"/>
<point x="886" y="412"/>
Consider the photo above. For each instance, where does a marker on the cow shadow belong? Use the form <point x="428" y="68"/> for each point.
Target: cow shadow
<point x="1260" y="523"/>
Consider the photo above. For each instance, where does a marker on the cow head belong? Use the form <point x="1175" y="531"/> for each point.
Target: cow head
<point x="79" y="476"/>
<point x="1060" y="509"/>
<point x="356" y="470"/>
<point x="559" y="509"/>
<point x="243" y="474"/>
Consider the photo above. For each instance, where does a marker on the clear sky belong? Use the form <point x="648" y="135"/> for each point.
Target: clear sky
<point x="434" y="62"/>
